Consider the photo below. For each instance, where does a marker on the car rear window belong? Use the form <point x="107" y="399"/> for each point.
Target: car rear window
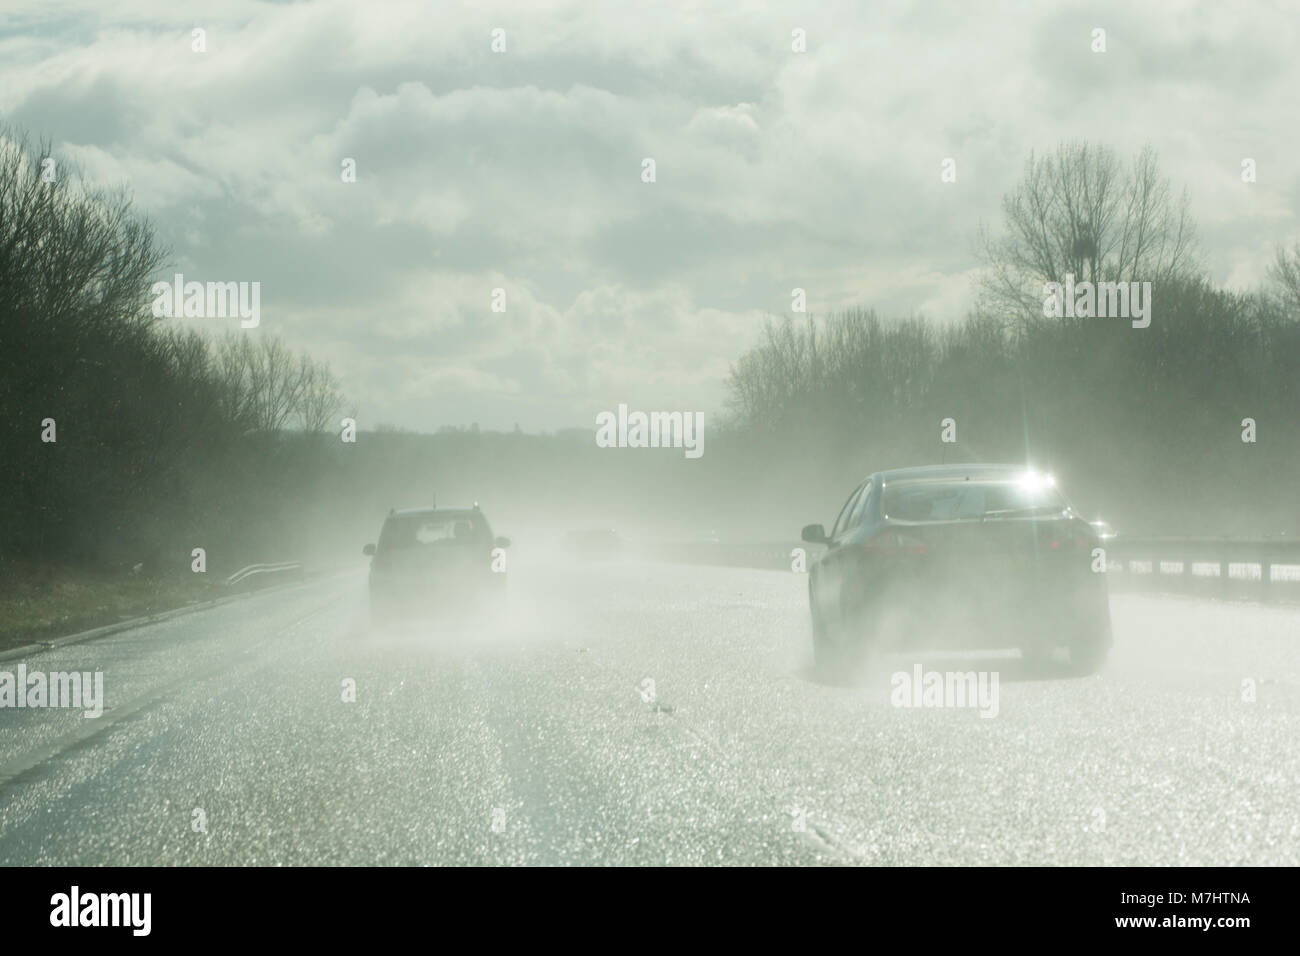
<point x="956" y="499"/>
<point x="445" y="530"/>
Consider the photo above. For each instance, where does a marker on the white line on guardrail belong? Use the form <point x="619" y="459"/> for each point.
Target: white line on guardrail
<point x="252" y="569"/>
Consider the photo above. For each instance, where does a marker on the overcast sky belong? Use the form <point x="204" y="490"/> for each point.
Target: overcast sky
<point x="522" y="170"/>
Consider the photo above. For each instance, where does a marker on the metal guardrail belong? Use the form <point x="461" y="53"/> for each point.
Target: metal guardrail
<point x="1264" y="552"/>
<point x="1176" y="562"/>
<point x="258" y="575"/>
<point x="1200" y="562"/>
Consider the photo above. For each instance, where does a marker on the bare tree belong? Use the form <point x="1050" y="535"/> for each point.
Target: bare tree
<point x="74" y="331"/>
<point x="320" y="400"/>
<point x="1285" y="273"/>
<point x="262" y="382"/>
<point x="1078" y="211"/>
<point x="265" y="387"/>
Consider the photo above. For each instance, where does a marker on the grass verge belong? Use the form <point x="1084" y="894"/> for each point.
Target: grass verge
<point x="40" y="602"/>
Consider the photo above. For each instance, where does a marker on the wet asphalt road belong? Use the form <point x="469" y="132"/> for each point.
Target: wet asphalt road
<point x="537" y="737"/>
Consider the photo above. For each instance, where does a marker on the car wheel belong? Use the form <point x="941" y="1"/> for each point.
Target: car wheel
<point x="1087" y="658"/>
<point x="1088" y="652"/>
<point x="1037" y="653"/>
<point x="825" y="655"/>
<point x="381" y="612"/>
<point x="841" y="647"/>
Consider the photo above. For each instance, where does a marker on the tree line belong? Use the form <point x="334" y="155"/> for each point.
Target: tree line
<point x="166" y="439"/>
<point x="1146" y="424"/>
<point x="127" y="439"/>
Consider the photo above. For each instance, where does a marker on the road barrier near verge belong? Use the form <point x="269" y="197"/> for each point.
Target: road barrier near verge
<point x="1236" y="567"/>
<point x="263" y="575"/>
<point x="1225" y="558"/>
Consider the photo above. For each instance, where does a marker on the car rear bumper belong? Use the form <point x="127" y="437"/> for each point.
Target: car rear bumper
<point x="433" y="592"/>
<point x="983" y="611"/>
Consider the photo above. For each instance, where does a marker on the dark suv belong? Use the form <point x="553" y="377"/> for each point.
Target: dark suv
<point x="430" y="559"/>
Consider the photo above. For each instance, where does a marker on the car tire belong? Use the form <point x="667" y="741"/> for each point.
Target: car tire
<point x="1087" y="658"/>
<point x="381" y="612"/>
<point x="841" y="648"/>
<point x="1037" y="654"/>
<point x="825" y="651"/>
<point x="1088" y="652"/>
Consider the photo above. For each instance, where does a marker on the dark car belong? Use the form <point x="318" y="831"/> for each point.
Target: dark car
<point x="958" y="556"/>
<point x="1104" y="531"/>
<point x="430" y="559"/>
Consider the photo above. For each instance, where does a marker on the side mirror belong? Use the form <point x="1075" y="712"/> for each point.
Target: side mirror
<point x="502" y="542"/>
<point x="814" y="534"/>
<point x="368" y="550"/>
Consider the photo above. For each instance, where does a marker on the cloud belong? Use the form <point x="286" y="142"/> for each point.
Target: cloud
<point x="522" y="170"/>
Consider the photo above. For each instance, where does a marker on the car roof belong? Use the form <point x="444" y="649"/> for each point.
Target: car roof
<point x="407" y="512"/>
<point x="967" y="470"/>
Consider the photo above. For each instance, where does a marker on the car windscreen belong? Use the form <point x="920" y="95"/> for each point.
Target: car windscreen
<point x="958" y="499"/>
<point x="434" y="530"/>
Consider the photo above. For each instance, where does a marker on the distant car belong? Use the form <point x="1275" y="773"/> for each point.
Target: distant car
<point x="429" y="559"/>
<point x="595" y="544"/>
<point x="958" y="555"/>
<point x="1103" y="530"/>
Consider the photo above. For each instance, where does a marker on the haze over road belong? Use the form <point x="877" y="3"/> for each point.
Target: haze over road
<point x="532" y="740"/>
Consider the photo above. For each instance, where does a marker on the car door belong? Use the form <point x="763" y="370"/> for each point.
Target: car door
<point x="830" y="568"/>
<point x="852" y="574"/>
